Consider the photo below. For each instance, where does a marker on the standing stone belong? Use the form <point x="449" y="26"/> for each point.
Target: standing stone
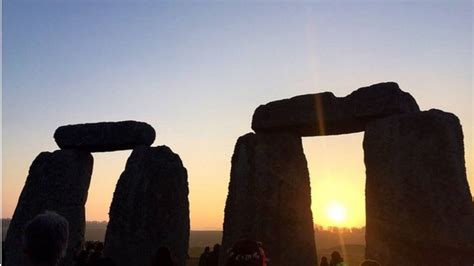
<point x="418" y="202"/>
<point x="325" y="114"/>
<point x="105" y="136"/>
<point x="150" y="208"/>
<point x="269" y="199"/>
<point x="58" y="182"/>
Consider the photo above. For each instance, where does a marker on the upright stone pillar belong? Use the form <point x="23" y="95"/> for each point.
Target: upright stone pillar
<point x="150" y="209"/>
<point x="418" y="203"/>
<point x="269" y="199"/>
<point x="59" y="182"/>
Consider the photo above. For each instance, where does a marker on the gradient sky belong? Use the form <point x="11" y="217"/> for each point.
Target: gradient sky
<point x="197" y="70"/>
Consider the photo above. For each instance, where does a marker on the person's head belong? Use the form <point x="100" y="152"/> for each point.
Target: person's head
<point x="99" y="246"/>
<point x="90" y="245"/>
<point x="336" y="257"/>
<point x="45" y="239"/>
<point x="246" y="252"/>
<point x="324" y="259"/>
<point x="216" y="248"/>
<point x="370" y="263"/>
<point x="207" y="249"/>
<point x="163" y="257"/>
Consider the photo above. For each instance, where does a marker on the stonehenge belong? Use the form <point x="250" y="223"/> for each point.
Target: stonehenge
<point x="105" y="136"/>
<point x="325" y="114"/>
<point x="419" y="206"/>
<point x="57" y="181"/>
<point x="153" y="190"/>
<point x="270" y="198"/>
<point x="418" y="203"/>
<point x="150" y="208"/>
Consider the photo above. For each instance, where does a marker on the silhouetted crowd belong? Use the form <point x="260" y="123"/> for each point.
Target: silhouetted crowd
<point x="210" y="258"/>
<point x="46" y="236"/>
<point x="337" y="260"/>
<point x="92" y="255"/>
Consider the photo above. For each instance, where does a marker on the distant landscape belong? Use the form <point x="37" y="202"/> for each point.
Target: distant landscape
<point x="327" y="240"/>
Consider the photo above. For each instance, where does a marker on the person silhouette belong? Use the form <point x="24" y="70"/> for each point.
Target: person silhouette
<point x="370" y="263"/>
<point x="96" y="254"/>
<point x="246" y="252"/>
<point x="163" y="257"/>
<point x="203" y="259"/>
<point x="324" y="261"/>
<point x="45" y="239"/>
<point x="336" y="259"/>
<point x="214" y="256"/>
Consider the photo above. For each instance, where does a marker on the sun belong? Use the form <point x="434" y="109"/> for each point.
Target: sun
<point x="336" y="212"/>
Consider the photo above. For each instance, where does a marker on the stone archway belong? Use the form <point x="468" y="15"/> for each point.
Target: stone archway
<point x="409" y="154"/>
<point x="150" y="207"/>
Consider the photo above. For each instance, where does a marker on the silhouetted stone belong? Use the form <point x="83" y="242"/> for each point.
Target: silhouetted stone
<point x="326" y="114"/>
<point x="105" y="136"/>
<point x="418" y="202"/>
<point x="58" y="182"/>
<point x="270" y="199"/>
<point x="150" y="208"/>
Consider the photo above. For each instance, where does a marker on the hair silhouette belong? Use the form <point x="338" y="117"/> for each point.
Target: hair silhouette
<point x="163" y="257"/>
<point x="324" y="261"/>
<point x="246" y="252"/>
<point x="45" y="239"/>
<point x="335" y="259"/>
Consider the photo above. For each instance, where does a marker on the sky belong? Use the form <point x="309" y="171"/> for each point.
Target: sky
<point x="197" y="70"/>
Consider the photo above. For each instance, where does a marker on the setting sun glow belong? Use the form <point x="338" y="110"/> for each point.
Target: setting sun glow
<point x="336" y="213"/>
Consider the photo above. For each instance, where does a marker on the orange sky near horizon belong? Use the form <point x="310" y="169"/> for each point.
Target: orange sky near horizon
<point x="335" y="163"/>
<point x="341" y="164"/>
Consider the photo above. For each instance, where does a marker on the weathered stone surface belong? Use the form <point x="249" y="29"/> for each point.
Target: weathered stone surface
<point x="326" y="114"/>
<point x="418" y="202"/>
<point x="150" y="208"/>
<point x="105" y="136"/>
<point x="270" y="199"/>
<point x="58" y="182"/>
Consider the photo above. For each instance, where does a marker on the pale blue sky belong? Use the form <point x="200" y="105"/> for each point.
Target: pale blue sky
<point x="197" y="70"/>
